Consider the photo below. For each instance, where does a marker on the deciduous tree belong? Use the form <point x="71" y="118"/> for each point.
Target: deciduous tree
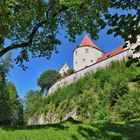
<point x="32" y="26"/>
<point x="47" y="79"/>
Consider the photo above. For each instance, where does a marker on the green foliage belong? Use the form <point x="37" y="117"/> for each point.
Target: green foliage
<point x="5" y="110"/>
<point x="33" y="104"/>
<point x="125" y="24"/>
<point x="10" y="105"/>
<point x="69" y="72"/>
<point x="98" y="96"/>
<point x="15" y="105"/>
<point x="33" y="25"/>
<point x="128" y="107"/>
<point x="72" y="130"/>
<point x="48" y="78"/>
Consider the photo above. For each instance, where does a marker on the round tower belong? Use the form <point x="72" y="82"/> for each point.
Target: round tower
<point x="86" y="54"/>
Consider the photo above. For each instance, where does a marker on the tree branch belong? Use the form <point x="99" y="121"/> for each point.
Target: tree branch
<point x="31" y="35"/>
<point x="11" y="47"/>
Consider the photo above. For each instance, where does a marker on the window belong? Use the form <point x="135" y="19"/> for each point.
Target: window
<point x="91" y="60"/>
<point x="83" y="60"/>
<point x="76" y="53"/>
<point x="75" y="62"/>
<point x="86" y="50"/>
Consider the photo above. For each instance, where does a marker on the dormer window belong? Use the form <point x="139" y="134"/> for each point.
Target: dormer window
<point x="86" y="50"/>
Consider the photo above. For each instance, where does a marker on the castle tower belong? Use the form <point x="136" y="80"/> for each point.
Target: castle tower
<point x="86" y="54"/>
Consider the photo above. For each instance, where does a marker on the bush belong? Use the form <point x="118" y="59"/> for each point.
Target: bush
<point x="128" y="107"/>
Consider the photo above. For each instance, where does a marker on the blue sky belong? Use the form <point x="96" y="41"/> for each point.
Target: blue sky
<point x="27" y="80"/>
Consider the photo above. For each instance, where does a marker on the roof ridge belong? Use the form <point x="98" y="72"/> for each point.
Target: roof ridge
<point x="112" y="53"/>
<point x="88" y="42"/>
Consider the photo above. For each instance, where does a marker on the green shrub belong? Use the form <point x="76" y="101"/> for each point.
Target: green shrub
<point x="128" y="107"/>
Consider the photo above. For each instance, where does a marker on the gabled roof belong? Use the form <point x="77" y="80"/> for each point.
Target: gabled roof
<point x="88" y="43"/>
<point x="119" y="50"/>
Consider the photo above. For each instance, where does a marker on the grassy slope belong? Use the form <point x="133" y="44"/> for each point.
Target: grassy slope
<point x="71" y="130"/>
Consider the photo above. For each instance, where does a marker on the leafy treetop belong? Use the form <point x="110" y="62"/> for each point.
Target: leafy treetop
<point x="48" y="78"/>
<point x="32" y="26"/>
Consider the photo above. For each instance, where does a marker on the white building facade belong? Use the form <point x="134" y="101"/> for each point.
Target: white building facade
<point x="64" y="69"/>
<point x="86" y="54"/>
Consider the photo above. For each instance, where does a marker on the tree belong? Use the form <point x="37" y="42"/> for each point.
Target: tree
<point x="47" y="79"/>
<point x="10" y="104"/>
<point x="5" y="103"/>
<point x="127" y="24"/>
<point x="16" y="104"/>
<point x="32" y="104"/>
<point x="32" y="26"/>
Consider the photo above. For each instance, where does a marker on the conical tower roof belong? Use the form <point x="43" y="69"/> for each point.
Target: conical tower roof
<point x="88" y="43"/>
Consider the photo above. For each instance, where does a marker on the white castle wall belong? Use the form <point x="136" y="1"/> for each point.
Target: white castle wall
<point x="93" y="68"/>
<point x="85" y="56"/>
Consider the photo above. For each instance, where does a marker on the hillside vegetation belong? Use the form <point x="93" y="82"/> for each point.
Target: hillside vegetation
<point x="111" y="94"/>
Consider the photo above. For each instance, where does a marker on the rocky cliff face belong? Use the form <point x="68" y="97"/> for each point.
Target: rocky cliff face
<point x="37" y="120"/>
<point x="51" y="118"/>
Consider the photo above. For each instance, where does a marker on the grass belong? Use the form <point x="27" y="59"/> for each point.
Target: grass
<point x="72" y="130"/>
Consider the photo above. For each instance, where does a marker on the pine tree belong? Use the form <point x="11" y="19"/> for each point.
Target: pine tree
<point x="5" y="103"/>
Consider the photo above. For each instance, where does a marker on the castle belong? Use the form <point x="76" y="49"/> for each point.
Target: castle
<point x="88" y="57"/>
<point x="86" y="54"/>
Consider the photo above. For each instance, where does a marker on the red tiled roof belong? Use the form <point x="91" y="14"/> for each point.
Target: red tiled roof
<point x="87" y="42"/>
<point x="112" y="53"/>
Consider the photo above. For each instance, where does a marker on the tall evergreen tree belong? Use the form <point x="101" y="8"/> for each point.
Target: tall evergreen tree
<point x="5" y="103"/>
<point x="16" y="104"/>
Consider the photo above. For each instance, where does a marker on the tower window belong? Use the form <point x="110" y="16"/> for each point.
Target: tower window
<point x="83" y="60"/>
<point x="76" y="53"/>
<point x="86" y="50"/>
